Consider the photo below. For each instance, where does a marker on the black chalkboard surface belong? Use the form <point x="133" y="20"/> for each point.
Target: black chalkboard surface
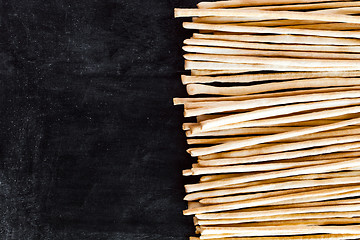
<point x="91" y="145"/>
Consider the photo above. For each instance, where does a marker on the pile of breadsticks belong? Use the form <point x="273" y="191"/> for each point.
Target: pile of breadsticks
<point x="274" y="119"/>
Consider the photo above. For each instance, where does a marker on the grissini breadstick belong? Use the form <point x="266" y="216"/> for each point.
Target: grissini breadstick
<point x="203" y="72"/>
<point x="212" y="124"/>
<point x="245" y="3"/>
<point x="293" y="39"/>
<point x="274" y="14"/>
<point x="283" y="148"/>
<point x="329" y="167"/>
<point x="244" y="131"/>
<point x="343" y="10"/>
<point x="250" y="168"/>
<point x="267" y="53"/>
<point x="273" y="185"/>
<point x="223" y="106"/>
<point x="327" y="26"/>
<point x="246" y="78"/>
<point x="278" y="155"/>
<point x="270" y="30"/>
<point x="341" y="174"/>
<point x="274" y="60"/>
<point x="299" y="119"/>
<point x="268" y="46"/>
<point x="246" y="21"/>
<point x="303" y="237"/>
<point x="278" y="230"/>
<point x="189" y="65"/>
<point x="302" y="184"/>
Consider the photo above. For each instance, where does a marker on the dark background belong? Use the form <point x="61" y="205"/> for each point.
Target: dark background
<point x="91" y="146"/>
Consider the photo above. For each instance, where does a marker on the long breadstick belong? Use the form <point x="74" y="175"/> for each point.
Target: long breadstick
<point x="272" y="184"/>
<point x="195" y="72"/>
<point x="212" y="124"/>
<point x="267" y="46"/>
<point x="282" y="149"/>
<point x="281" y="39"/>
<point x="274" y="60"/>
<point x="223" y="106"/>
<point x="268" y="53"/>
<point x="285" y="217"/>
<point x="266" y="14"/>
<point x="330" y="167"/>
<point x="189" y="65"/>
<point x="245" y="3"/>
<point x="270" y="30"/>
<point x="279" y="230"/>
<point x="303" y="237"/>
<point x="246" y="21"/>
<point x="327" y="26"/>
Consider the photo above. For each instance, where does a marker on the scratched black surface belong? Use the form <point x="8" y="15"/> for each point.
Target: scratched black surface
<point x="91" y="146"/>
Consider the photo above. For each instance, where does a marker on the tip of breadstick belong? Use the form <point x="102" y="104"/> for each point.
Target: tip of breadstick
<point x="194" y="238"/>
<point x="176" y="12"/>
<point x="184" y="79"/>
<point x="196" y="221"/>
<point x="191" y="89"/>
<point x="177" y="101"/>
<point x="187" y="172"/>
<point x="188" y="134"/>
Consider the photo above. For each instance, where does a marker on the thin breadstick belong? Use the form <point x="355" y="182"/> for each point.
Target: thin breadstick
<point x="245" y="3"/>
<point x="303" y="237"/>
<point x="282" y="149"/>
<point x="275" y="156"/>
<point x="274" y="60"/>
<point x="244" y="131"/>
<point x="279" y="230"/>
<point x="270" y="30"/>
<point x="269" y="53"/>
<point x="202" y="108"/>
<point x="212" y="124"/>
<point x="249" y="168"/>
<point x="189" y="65"/>
<point x="246" y="21"/>
<point x="282" y="121"/>
<point x="195" y="72"/>
<point x="342" y="10"/>
<point x="329" y="167"/>
<point x="286" y="217"/>
<point x="280" y="186"/>
<point x="281" y="39"/>
<point x="274" y="14"/>
<point x="246" y="78"/>
<point x="267" y="46"/>
<point x="327" y="26"/>
<point x="306" y="180"/>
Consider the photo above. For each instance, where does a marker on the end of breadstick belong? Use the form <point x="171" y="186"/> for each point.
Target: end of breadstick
<point x="198" y="230"/>
<point x="176" y="13"/>
<point x="195" y="221"/>
<point x="185" y="79"/>
<point x="187" y="172"/>
<point x="194" y="238"/>
<point x="191" y="89"/>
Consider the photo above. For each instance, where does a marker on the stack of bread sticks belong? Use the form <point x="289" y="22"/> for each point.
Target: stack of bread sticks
<point x="274" y="119"/>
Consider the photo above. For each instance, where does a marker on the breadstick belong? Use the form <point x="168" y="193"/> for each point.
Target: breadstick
<point x="202" y="108"/>
<point x="281" y="149"/>
<point x="195" y="72"/>
<point x="246" y="21"/>
<point x="343" y="10"/>
<point x="270" y="30"/>
<point x="274" y="14"/>
<point x="246" y="78"/>
<point x="302" y="184"/>
<point x="267" y="46"/>
<point x="269" y="53"/>
<point x="245" y="3"/>
<point x="329" y="167"/>
<point x="274" y="184"/>
<point x="286" y="217"/>
<point x="313" y="40"/>
<point x="326" y="26"/>
<point x="275" y="60"/>
<point x="303" y="237"/>
<point x="189" y="65"/>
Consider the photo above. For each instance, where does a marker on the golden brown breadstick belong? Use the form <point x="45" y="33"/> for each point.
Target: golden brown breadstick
<point x="274" y="14"/>
<point x="342" y="10"/>
<point x="277" y="230"/>
<point x="201" y="108"/>
<point x="195" y="72"/>
<point x="268" y="53"/>
<point x="285" y="183"/>
<point x="267" y="46"/>
<point x="313" y="40"/>
<point x="246" y="21"/>
<point x="245" y="3"/>
<point x="327" y="26"/>
<point x="189" y="65"/>
<point x="270" y="30"/>
<point x="274" y="60"/>
<point x="329" y="167"/>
